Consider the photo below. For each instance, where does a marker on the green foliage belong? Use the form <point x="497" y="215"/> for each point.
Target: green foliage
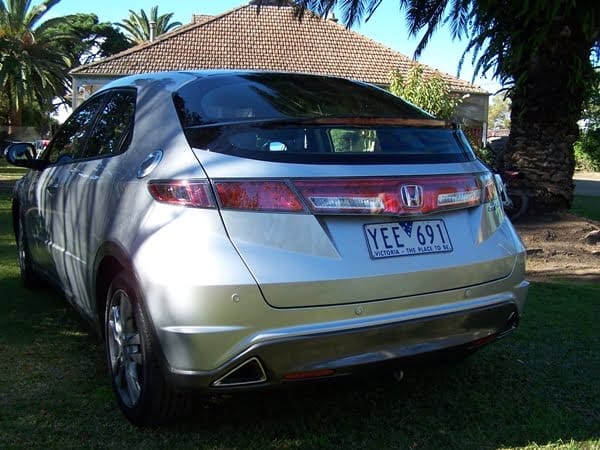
<point x="34" y="63"/>
<point x="93" y="39"/>
<point x="36" y="57"/>
<point x="485" y="154"/>
<point x="587" y="151"/>
<point x="428" y="91"/>
<point x="499" y="112"/>
<point x="353" y="140"/>
<point x="587" y="147"/>
<point x="137" y="26"/>
<point x="591" y="108"/>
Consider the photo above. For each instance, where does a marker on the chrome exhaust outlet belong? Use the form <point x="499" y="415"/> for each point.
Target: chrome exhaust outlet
<point x="511" y="324"/>
<point x="249" y="372"/>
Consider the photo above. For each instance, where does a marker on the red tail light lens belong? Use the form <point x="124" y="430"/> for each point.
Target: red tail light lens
<point x="258" y="195"/>
<point x="182" y="192"/>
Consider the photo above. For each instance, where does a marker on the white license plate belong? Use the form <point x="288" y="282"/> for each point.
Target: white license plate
<point x="386" y="240"/>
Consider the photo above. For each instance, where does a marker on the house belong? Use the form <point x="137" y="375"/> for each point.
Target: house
<point x="273" y="37"/>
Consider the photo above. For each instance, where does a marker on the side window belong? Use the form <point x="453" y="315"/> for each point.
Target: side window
<point x="113" y="128"/>
<point x="69" y="140"/>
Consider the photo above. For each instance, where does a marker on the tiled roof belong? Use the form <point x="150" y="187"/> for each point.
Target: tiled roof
<point x="265" y="38"/>
<point x="200" y="18"/>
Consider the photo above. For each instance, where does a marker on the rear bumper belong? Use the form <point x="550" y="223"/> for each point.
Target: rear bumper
<point x="282" y="358"/>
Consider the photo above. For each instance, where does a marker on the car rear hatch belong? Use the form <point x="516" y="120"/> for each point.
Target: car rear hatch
<point x="359" y="233"/>
<point x="335" y="192"/>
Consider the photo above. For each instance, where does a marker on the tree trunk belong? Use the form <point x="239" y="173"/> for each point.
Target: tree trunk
<point x="15" y="117"/>
<point x="546" y="103"/>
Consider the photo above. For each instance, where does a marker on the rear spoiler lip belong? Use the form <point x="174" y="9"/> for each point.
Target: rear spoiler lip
<point x="349" y="121"/>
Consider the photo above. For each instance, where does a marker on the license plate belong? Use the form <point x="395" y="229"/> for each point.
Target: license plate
<point x="386" y="240"/>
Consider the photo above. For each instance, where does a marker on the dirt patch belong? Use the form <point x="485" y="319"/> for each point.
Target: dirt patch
<point x="557" y="248"/>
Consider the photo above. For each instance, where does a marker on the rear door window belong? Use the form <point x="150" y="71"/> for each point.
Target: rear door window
<point x="70" y="139"/>
<point x="113" y="127"/>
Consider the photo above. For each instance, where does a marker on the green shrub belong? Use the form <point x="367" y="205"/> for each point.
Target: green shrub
<point x="587" y="151"/>
<point x="428" y="91"/>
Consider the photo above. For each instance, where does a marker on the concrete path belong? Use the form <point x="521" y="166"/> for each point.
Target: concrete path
<point x="587" y="183"/>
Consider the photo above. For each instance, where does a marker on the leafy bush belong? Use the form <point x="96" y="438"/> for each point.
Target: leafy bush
<point x="587" y="151"/>
<point x="428" y="91"/>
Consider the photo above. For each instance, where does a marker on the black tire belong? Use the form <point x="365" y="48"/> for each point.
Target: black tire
<point x="29" y="277"/>
<point x="520" y="203"/>
<point x="133" y="362"/>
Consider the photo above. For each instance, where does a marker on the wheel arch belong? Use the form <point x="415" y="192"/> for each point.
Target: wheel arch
<point x="111" y="260"/>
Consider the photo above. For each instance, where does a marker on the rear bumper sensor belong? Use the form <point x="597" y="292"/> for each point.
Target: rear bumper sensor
<point x="249" y="372"/>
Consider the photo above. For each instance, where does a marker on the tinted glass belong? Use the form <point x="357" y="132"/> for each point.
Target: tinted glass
<point x="335" y="144"/>
<point x="234" y="98"/>
<point x="113" y="126"/>
<point x="311" y="119"/>
<point x="70" y="138"/>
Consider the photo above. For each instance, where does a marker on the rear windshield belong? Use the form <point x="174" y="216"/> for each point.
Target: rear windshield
<point x="300" y="118"/>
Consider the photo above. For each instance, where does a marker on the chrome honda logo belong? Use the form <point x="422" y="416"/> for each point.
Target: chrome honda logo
<point x="412" y="195"/>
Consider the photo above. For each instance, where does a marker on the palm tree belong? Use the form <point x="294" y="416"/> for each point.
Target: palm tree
<point x="33" y="62"/>
<point x="540" y="51"/>
<point x="138" y="26"/>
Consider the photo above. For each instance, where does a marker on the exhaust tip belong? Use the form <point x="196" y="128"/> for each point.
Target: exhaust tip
<point x="250" y="371"/>
<point x="511" y="324"/>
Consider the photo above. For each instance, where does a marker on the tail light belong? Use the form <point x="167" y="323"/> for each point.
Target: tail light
<point x="258" y="195"/>
<point x="182" y="192"/>
<point x="394" y="196"/>
<point x="364" y="196"/>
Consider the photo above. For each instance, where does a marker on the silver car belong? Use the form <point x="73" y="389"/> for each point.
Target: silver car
<point x="237" y="230"/>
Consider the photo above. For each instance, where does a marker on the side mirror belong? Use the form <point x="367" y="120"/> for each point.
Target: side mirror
<point x="23" y="154"/>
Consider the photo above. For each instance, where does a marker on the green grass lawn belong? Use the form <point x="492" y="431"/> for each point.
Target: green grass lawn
<point x="587" y="207"/>
<point x="537" y="388"/>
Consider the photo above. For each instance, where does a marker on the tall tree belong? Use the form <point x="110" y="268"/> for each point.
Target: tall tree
<point x="32" y="60"/>
<point x="137" y="26"/>
<point x="93" y="39"/>
<point x="36" y="55"/>
<point x="539" y="49"/>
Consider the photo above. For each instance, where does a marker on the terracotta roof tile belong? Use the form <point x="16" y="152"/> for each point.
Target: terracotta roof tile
<point x="200" y="18"/>
<point x="265" y="38"/>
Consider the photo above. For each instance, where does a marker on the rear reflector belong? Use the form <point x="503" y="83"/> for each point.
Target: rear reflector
<point x="311" y="374"/>
<point x="195" y="193"/>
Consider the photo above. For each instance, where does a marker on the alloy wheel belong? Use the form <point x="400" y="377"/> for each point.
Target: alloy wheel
<point x="124" y="347"/>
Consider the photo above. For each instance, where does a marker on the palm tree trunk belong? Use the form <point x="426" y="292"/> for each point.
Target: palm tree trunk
<point x="546" y="104"/>
<point x="15" y="124"/>
<point x="15" y="117"/>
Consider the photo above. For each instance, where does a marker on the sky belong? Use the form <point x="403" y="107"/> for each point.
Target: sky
<point x="387" y="26"/>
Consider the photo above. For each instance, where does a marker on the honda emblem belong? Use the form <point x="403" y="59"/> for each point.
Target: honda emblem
<point x="412" y="195"/>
